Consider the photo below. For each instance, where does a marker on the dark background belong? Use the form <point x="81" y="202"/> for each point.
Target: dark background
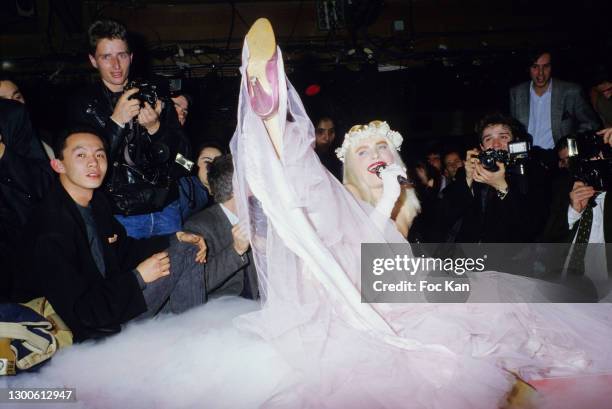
<point x="452" y="62"/>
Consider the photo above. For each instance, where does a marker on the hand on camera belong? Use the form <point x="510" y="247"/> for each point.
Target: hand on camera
<point x="149" y="117"/>
<point x="474" y="171"/>
<point x="607" y="135"/>
<point x="496" y="180"/>
<point x="580" y="196"/>
<point x="155" y="267"/>
<point x="471" y="160"/>
<point x="126" y="108"/>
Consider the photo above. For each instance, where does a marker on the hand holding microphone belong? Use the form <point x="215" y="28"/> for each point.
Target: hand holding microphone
<point x="393" y="177"/>
<point x="402" y="179"/>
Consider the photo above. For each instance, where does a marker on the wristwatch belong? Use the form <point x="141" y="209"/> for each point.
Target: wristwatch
<point x="502" y="193"/>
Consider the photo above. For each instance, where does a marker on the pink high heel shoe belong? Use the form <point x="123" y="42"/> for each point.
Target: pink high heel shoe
<point x="263" y="60"/>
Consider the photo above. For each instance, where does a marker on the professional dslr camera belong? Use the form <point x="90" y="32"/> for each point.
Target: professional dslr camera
<point x="516" y="156"/>
<point x="590" y="160"/>
<point x="148" y="91"/>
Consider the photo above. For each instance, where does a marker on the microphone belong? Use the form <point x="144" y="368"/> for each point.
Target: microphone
<point x="400" y="179"/>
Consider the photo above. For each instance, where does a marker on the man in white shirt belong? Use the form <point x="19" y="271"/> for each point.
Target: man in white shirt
<point x="586" y="217"/>
<point x="550" y="109"/>
<point x="582" y="217"/>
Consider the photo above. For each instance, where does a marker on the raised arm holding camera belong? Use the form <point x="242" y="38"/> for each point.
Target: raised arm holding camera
<point x="142" y="131"/>
<point x="490" y="200"/>
<point x="581" y="211"/>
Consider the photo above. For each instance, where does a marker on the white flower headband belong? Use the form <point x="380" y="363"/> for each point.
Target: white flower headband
<point x="366" y="131"/>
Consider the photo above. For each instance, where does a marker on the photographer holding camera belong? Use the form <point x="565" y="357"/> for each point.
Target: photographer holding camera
<point x="494" y="198"/>
<point x="581" y="212"/>
<point x="142" y="132"/>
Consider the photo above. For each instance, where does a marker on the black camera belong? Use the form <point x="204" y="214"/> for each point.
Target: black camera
<point x="147" y="92"/>
<point x="516" y="155"/>
<point x="590" y="160"/>
<point x="587" y="146"/>
<point x="595" y="173"/>
<point x="489" y="158"/>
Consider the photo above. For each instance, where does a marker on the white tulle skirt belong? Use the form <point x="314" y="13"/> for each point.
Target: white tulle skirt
<point x="202" y="360"/>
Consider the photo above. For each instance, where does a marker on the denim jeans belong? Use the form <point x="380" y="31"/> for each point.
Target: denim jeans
<point x="142" y="226"/>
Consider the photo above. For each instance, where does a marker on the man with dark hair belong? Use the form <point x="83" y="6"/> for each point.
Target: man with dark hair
<point x="601" y="94"/>
<point x="10" y="90"/>
<point x="194" y="190"/>
<point x="182" y="101"/>
<point x="434" y="159"/>
<point x="452" y="162"/>
<point x="562" y="153"/>
<point x="220" y="173"/>
<point x="75" y="254"/>
<point x="325" y="136"/>
<point x="489" y="205"/>
<point x="230" y="269"/>
<point x="550" y="109"/>
<point x="143" y="140"/>
<point x="432" y="174"/>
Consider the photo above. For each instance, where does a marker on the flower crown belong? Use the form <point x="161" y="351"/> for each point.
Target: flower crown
<point x="360" y="132"/>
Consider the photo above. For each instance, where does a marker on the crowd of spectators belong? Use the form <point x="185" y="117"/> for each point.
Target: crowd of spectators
<point x="96" y="222"/>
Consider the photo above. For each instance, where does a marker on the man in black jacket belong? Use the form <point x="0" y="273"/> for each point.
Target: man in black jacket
<point x="143" y="140"/>
<point x="493" y="206"/>
<point x="24" y="177"/>
<point x="78" y="256"/>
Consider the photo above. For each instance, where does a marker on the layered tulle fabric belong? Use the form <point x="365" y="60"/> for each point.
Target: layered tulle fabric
<point x="200" y="360"/>
<point x="306" y="233"/>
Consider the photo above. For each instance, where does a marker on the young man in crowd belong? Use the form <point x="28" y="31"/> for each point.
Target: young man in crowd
<point x="550" y="108"/>
<point x="601" y="95"/>
<point x="143" y="140"/>
<point x="493" y="205"/>
<point x="10" y="90"/>
<point x="182" y="102"/>
<point x="325" y="135"/>
<point x="78" y="256"/>
<point x="452" y="163"/>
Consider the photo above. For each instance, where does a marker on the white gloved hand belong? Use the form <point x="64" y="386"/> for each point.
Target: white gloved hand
<point x="391" y="188"/>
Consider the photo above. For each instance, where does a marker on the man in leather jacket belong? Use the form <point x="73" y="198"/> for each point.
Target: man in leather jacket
<point x="143" y="139"/>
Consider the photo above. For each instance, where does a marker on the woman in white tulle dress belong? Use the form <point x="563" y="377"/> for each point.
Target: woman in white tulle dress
<point x="306" y="234"/>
